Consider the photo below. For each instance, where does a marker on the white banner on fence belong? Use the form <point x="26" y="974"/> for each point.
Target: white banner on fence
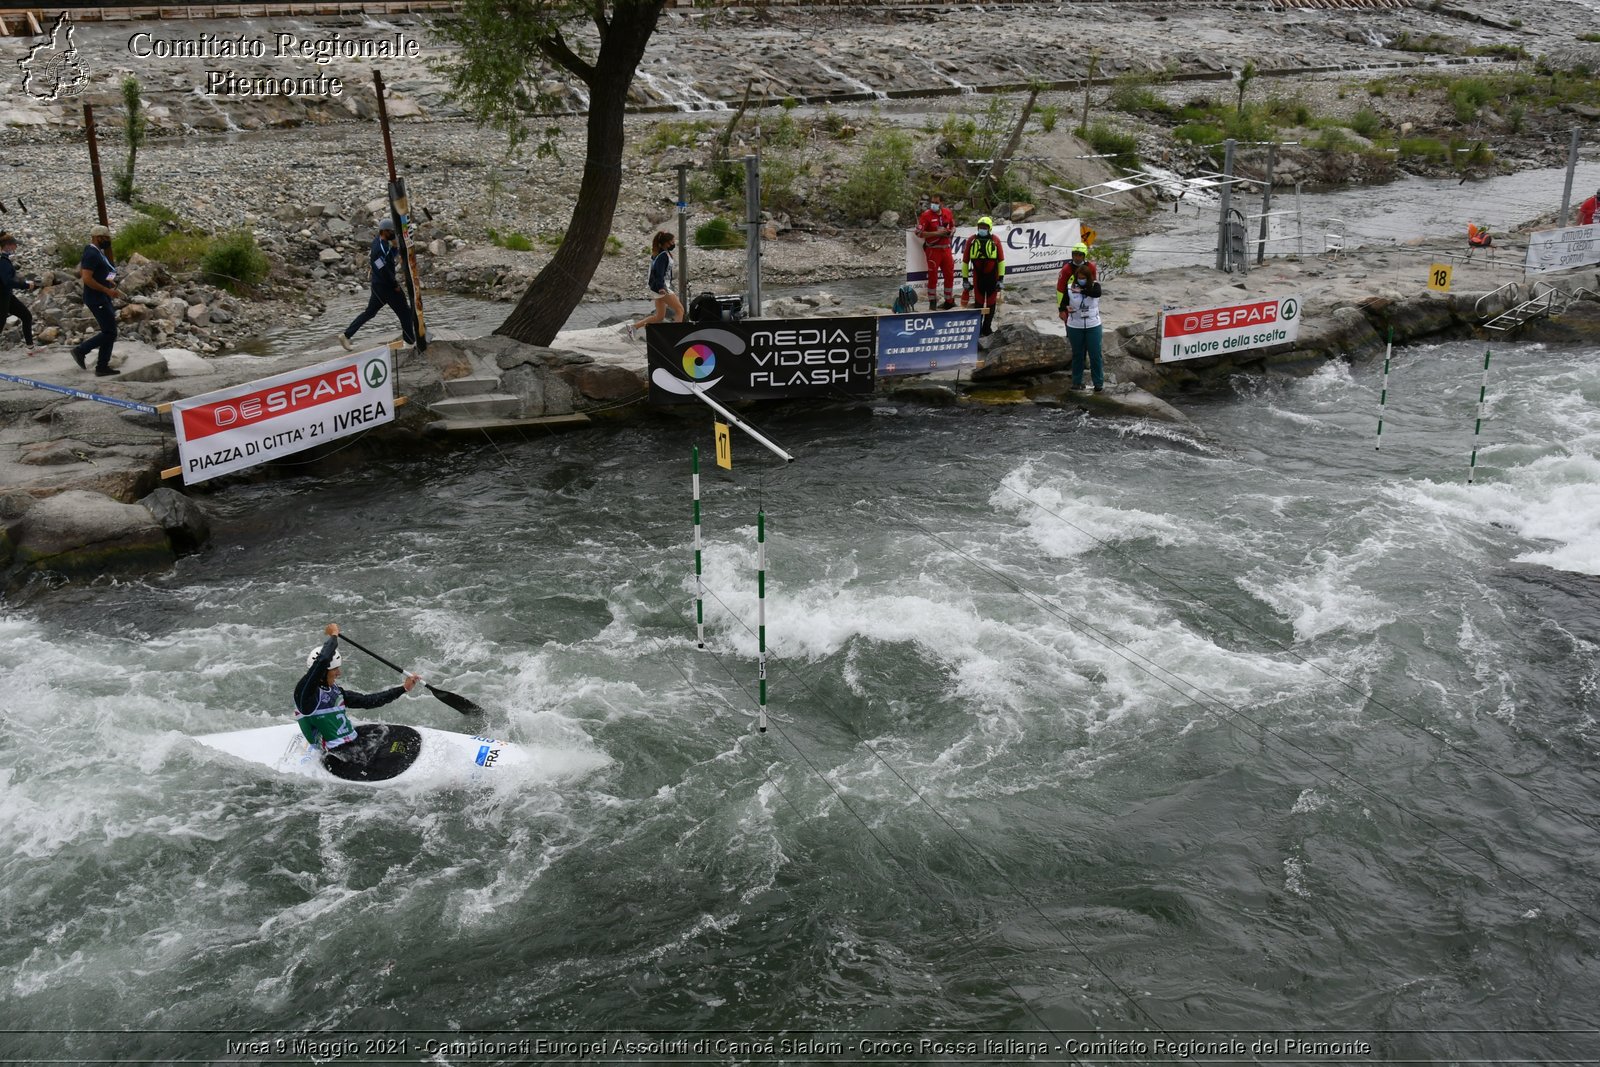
<point x="235" y="429"/>
<point x="1575" y="246"/>
<point x="1030" y="248"/>
<point x="1190" y="333"/>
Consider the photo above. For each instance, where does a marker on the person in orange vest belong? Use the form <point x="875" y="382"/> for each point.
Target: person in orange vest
<point x="936" y="226"/>
<point x="1069" y="270"/>
<point x="1588" y="209"/>
<point x="983" y="270"/>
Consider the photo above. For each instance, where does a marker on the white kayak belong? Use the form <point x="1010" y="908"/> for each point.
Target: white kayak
<point x="387" y="754"/>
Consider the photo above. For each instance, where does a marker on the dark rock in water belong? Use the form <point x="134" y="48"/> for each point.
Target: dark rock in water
<point x="79" y="533"/>
<point x="605" y="383"/>
<point x="931" y="393"/>
<point x="183" y="520"/>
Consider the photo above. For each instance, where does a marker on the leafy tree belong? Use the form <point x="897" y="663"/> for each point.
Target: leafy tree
<point x="135" y="125"/>
<point x="507" y="50"/>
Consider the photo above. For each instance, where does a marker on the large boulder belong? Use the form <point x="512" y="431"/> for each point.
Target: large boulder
<point x="185" y="524"/>
<point x="84" y="534"/>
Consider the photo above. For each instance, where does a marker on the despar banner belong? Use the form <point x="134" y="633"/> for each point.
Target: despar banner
<point x="1191" y="333"/>
<point x="922" y="344"/>
<point x="765" y="359"/>
<point x="1031" y="248"/>
<point x="236" y="428"/>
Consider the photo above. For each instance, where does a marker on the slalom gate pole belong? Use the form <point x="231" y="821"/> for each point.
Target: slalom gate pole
<point x="1383" y="397"/>
<point x="1483" y="390"/>
<point x="699" y="586"/>
<point x="761" y="614"/>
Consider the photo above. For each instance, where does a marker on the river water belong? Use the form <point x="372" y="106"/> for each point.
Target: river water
<point x="1082" y="729"/>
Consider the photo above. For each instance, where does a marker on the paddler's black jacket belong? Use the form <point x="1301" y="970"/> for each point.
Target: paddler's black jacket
<point x="310" y="686"/>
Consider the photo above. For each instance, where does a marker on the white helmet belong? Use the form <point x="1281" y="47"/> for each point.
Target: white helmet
<point x="311" y="657"/>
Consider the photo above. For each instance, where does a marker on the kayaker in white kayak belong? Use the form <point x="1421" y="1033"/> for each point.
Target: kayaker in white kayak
<point x="320" y="702"/>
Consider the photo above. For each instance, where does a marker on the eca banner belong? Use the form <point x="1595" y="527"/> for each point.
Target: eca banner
<point x="1189" y="333"/>
<point x="234" y="429"/>
<point x="922" y="344"/>
<point x="764" y="359"/>
<point x="1030" y="248"/>
<point x="1574" y="246"/>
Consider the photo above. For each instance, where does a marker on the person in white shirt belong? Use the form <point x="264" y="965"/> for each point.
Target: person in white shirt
<point x="1080" y="310"/>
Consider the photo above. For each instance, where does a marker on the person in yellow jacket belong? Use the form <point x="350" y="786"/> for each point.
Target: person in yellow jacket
<point x="983" y="270"/>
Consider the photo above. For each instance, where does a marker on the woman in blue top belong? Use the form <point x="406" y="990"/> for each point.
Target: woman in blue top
<point x="10" y="285"/>
<point x="661" y="247"/>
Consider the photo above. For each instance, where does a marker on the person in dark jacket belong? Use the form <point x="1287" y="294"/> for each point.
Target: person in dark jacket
<point x="660" y="284"/>
<point x="320" y="702"/>
<point x="99" y="277"/>
<point x="385" y="290"/>
<point x="10" y="284"/>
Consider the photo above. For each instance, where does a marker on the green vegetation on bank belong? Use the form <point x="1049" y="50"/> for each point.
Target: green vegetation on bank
<point x="231" y="260"/>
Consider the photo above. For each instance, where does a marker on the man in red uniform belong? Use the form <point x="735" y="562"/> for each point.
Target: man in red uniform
<point x="983" y="269"/>
<point x="935" y="226"/>
<point x="1587" y="209"/>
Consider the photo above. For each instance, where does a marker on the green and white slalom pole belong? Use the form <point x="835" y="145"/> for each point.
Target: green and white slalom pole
<point x="699" y="582"/>
<point x="761" y="614"/>
<point x="1483" y="391"/>
<point x="1383" y="397"/>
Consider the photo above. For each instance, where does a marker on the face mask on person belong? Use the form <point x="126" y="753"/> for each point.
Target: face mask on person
<point x="983" y="231"/>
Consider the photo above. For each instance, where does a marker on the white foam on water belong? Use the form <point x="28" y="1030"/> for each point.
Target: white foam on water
<point x="1065" y="516"/>
<point x="1326" y="594"/>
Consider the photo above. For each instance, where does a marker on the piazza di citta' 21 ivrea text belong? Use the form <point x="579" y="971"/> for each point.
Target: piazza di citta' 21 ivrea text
<point x="320" y="51"/>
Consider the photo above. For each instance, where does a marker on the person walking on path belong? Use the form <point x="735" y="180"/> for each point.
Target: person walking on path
<point x="9" y="285"/>
<point x="660" y="285"/>
<point x="1588" y="209"/>
<point x="936" y="227"/>
<point x="99" y="277"/>
<point x="983" y="270"/>
<point x="1080" y="310"/>
<point x="385" y="290"/>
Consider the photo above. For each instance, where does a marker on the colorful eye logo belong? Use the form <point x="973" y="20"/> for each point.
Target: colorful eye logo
<point x="699" y="361"/>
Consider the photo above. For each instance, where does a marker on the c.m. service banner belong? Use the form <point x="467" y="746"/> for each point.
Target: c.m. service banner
<point x="1031" y="248"/>
<point x="236" y="428"/>
<point x="761" y="360"/>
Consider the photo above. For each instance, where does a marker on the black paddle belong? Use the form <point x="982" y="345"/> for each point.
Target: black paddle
<point x="455" y="700"/>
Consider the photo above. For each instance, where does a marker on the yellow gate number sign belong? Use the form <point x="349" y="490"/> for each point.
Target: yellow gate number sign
<point x="724" y="445"/>
<point x="1439" y="277"/>
<point x="1086" y="235"/>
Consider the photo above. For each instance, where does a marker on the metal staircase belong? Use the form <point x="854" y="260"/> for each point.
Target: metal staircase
<point x="1551" y="301"/>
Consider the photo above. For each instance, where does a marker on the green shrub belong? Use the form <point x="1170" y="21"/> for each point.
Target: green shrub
<point x="1048" y="116"/>
<point x="1425" y="148"/>
<point x="66" y="249"/>
<point x="718" y="232"/>
<point x="234" y="261"/>
<point x="1130" y="93"/>
<point x="1330" y="139"/>
<point x="1367" y="123"/>
<point x="1198" y="133"/>
<point x="675" y="135"/>
<point x="613" y="245"/>
<point x="1591" y="38"/>
<point x="159" y="241"/>
<point x="1467" y="95"/>
<point x="880" y="180"/>
<point x="780" y="183"/>
<point x="514" y="242"/>
<point x="786" y="131"/>
<point x="1123" y="148"/>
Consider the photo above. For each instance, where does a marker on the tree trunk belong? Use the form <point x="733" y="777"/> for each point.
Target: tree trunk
<point x="547" y="304"/>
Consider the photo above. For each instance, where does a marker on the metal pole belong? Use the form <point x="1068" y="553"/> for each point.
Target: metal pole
<point x="752" y="199"/>
<point x="734" y="420"/>
<point x="1299" y="221"/>
<point x="1227" y="202"/>
<point x="683" y="234"/>
<point x="1383" y="397"/>
<point x="94" y="165"/>
<point x="400" y="208"/>
<point x="1266" y="203"/>
<point x="1483" y="390"/>
<point x="699" y="587"/>
<point x="1572" y="166"/>
<point x="761" y="614"/>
